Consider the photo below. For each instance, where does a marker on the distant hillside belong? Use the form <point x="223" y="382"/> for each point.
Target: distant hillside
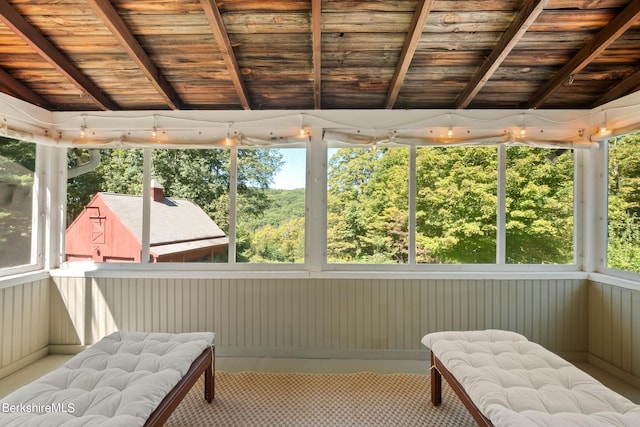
<point x="285" y="205"/>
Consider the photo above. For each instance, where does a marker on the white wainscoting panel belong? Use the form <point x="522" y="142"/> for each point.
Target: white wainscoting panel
<point x="614" y="328"/>
<point x="324" y="317"/>
<point x="24" y="324"/>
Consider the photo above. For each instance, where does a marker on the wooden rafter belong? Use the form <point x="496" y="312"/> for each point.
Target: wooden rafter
<point x="17" y="89"/>
<point x="316" y="26"/>
<point x="112" y="19"/>
<point x="219" y="32"/>
<point x="12" y="19"/>
<point x="621" y="89"/>
<point x="411" y="42"/>
<point x="519" y="26"/>
<point x="591" y="50"/>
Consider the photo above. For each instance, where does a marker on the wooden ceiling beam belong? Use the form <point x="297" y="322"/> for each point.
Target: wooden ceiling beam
<point x="623" y="88"/>
<point x="510" y="38"/>
<point x="316" y="28"/>
<point x="112" y="19"/>
<point x="423" y="8"/>
<point x="610" y="33"/>
<point x="15" y="88"/>
<point x="12" y="19"/>
<point x="217" y="25"/>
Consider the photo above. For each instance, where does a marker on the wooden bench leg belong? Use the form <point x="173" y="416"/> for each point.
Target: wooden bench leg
<point x="436" y="384"/>
<point x="209" y="378"/>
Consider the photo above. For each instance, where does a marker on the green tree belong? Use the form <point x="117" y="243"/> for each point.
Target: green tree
<point x="456" y="205"/>
<point x="624" y="203"/>
<point x="284" y="243"/>
<point x="201" y="176"/>
<point x="119" y="171"/>
<point x="539" y="205"/>
<point x="277" y="233"/>
<point x="368" y="205"/>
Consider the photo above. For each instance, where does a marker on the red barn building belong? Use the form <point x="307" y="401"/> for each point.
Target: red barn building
<point x="109" y="229"/>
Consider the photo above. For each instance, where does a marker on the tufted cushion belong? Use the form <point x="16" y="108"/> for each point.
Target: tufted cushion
<point x="515" y="382"/>
<point x="119" y="381"/>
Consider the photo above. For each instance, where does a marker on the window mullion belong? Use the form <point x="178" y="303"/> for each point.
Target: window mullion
<point x="412" y="205"/>
<point x="146" y="205"/>
<point x="233" y="198"/>
<point x="502" y="205"/>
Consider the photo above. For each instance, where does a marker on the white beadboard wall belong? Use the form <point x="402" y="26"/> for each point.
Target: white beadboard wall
<point x="383" y="318"/>
<point x="24" y="324"/>
<point x="614" y="330"/>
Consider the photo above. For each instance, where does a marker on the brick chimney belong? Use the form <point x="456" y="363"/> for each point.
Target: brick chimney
<point x="157" y="191"/>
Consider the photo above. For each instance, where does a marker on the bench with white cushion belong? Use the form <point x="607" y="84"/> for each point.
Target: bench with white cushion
<point x="125" y="379"/>
<point x="505" y="380"/>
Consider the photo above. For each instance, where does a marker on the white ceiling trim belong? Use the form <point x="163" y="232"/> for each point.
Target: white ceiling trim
<point x="187" y="128"/>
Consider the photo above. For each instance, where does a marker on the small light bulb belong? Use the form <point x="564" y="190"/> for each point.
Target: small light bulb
<point x="450" y="132"/>
<point x="302" y="131"/>
<point x="603" y="129"/>
<point x="523" y="131"/>
<point x="82" y="132"/>
<point x="154" y="133"/>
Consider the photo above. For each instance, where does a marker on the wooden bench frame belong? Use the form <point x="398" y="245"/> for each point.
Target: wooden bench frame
<point x="437" y="372"/>
<point x="204" y="364"/>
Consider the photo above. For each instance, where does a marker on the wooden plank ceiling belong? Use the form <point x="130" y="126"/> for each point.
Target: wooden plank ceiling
<point x="70" y="55"/>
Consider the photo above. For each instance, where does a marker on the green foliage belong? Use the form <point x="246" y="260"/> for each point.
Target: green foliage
<point x="17" y="166"/>
<point x="284" y="243"/>
<point x="277" y="233"/>
<point x="18" y="152"/>
<point x="368" y="206"/>
<point x="456" y="205"/>
<point x="201" y="176"/>
<point x="539" y="206"/>
<point x="367" y="197"/>
<point x="624" y="203"/>
<point x="284" y="205"/>
<point x="624" y="245"/>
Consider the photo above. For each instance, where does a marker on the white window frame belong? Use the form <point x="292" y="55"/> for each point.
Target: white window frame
<point x="602" y="264"/>
<point x="500" y="265"/>
<point x="41" y="204"/>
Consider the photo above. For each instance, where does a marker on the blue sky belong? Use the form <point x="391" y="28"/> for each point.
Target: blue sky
<point x="293" y="171"/>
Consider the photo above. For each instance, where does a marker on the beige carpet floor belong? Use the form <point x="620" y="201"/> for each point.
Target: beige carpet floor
<point x="359" y="399"/>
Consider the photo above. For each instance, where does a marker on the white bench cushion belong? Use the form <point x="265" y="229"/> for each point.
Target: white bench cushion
<point x="515" y="382"/>
<point x="119" y="381"/>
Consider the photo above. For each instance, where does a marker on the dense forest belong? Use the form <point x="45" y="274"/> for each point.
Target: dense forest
<point x="368" y="201"/>
<point x="456" y="206"/>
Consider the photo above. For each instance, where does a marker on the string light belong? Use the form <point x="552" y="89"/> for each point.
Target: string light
<point x="303" y="132"/>
<point x="603" y="126"/>
<point x="83" y="126"/>
<point x="154" y="131"/>
<point x="228" y="138"/>
<point x="464" y="131"/>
